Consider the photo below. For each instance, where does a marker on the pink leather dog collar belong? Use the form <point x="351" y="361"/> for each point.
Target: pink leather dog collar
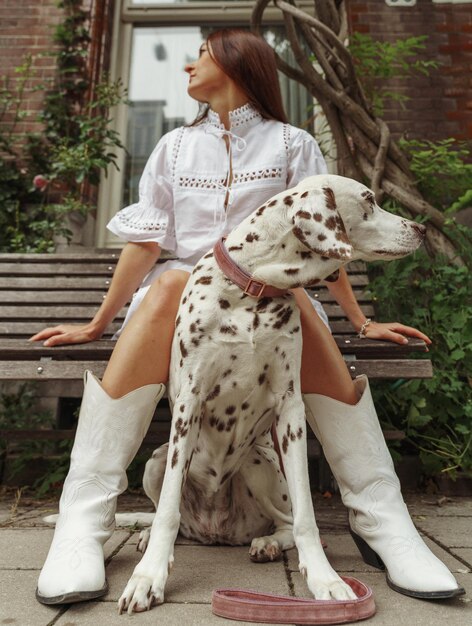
<point x="252" y="606"/>
<point x="250" y="285"/>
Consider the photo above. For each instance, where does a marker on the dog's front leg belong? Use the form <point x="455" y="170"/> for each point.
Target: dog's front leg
<point x="323" y="582"/>
<point x="146" y="586"/>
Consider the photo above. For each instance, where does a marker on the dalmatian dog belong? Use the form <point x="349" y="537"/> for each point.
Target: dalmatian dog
<point x="235" y="372"/>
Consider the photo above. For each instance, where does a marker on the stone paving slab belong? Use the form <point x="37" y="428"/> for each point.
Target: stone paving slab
<point x="456" y="535"/>
<point x="168" y="614"/>
<point x="439" y="506"/>
<point x="465" y="554"/>
<point x="18" y="606"/>
<point x="27" y="548"/>
<point x="199" y="569"/>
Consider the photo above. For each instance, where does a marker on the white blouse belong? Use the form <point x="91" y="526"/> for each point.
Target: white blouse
<point x="194" y="188"/>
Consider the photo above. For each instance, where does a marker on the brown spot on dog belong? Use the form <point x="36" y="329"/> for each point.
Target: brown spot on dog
<point x="244" y="406"/>
<point x="204" y="280"/>
<point x="284" y="497"/>
<point x="175" y="458"/>
<point x="330" y="198"/>
<point x="230" y="410"/>
<point x="183" y="349"/>
<point x="288" y="200"/>
<point x="317" y="217"/>
<point x="284" y="318"/>
<point x="304" y="215"/>
<point x="285" y="444"/>
<point x="330" y="223"/>
<point x="300" y="432"/>
<point x="257" y="461"/>
<point x="273" y="203"/>
<point x="250" y="237"/>
<point x="214" y="393"/>
<point x="224" y="304"/>
<point x="229" y="330"/>
<point x="234" y="248"/>
<point x="321" y="237"/>
<point x="230" y="450"/>
<point x="261" y="378"/>
<point x="304" y="194"/>
<point x="292" y="271"/>
<point x="332" y="278"/>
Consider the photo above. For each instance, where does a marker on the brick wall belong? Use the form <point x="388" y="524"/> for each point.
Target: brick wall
<point x="27" y="26"/>
<point x="440" y="105"/>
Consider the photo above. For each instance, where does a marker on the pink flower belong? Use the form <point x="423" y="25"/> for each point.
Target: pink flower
<point x="40" y="182"/>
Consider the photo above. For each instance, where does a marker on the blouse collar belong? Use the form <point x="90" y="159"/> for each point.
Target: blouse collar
<point x="243" y="117"/>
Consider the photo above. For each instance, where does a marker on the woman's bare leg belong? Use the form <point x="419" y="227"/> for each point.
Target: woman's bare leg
<point x="142" y="352"/>
<point x="323" y="368"/>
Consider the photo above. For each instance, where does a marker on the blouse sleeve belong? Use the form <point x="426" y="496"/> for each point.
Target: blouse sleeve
<point x="304" y="159"/>
<point x="152" y="217"/>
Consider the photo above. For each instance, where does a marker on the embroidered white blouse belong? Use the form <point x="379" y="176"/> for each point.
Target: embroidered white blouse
<point x="194" y="188"/>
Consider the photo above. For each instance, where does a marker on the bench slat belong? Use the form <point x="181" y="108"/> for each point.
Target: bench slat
<point x="56" y="313"/>
<point x="28" y="297"/>
<point x="63" y="313"/>
<point x="73" y="370"/>
<point x="56" y="282"/>
<point x="60" y="269"/>
<point x="24" y="329"/>
<point x="19" y="348"/>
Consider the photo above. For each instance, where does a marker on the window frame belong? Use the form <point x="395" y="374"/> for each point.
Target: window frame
<point x="126" y="17"/>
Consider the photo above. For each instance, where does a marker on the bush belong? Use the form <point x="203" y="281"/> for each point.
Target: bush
<point x="434" y="296"/>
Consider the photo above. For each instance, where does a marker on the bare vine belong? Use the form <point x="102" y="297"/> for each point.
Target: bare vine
<point x="365" y="148"/>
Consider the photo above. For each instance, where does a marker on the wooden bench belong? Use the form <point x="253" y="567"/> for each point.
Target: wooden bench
<point x="39" y="290"/>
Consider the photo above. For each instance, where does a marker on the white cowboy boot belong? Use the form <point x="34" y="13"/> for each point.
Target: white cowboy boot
<point x="355" y="448"/>
<point x="109" y="434"/>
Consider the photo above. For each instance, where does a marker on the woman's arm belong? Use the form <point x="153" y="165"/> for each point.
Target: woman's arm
<point x="391" y="331"/>
<point x="136" y="260"/>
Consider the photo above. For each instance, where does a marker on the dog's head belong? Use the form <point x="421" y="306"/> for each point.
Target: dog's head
<point x="305" y="234"/>
<point x="352" y="224"/>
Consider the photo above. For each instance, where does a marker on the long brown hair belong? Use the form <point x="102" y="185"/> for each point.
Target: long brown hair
<point x="250" y="62"/>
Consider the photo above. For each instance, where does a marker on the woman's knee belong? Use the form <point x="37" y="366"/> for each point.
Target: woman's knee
<point x="164" y="294"/>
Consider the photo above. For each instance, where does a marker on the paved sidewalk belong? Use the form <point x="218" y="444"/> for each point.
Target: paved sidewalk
<point x="25" y="538"/>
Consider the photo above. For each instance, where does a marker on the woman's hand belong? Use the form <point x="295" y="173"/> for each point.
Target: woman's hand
<point x="393" y="331"/>
<point x="67" y="334"/>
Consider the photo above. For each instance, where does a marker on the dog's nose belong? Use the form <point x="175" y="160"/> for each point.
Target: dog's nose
<point x="419" y="229"/>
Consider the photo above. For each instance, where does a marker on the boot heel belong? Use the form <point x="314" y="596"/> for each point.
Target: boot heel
<point x="369" y="556"/>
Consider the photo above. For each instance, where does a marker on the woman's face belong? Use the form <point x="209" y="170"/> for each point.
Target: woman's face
<point x="206" y="79"/>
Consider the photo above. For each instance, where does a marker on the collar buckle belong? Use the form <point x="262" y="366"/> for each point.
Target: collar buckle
<point x="258" y="285"/>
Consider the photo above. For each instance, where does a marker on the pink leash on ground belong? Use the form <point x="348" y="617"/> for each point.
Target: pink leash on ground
<point x="252" y="606"/>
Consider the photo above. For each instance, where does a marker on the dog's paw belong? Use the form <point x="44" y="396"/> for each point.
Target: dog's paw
<point x="328" y="587"/>
<point x="143" y="540"/>
<point x="141" y="594"/>
<point x="264" y="549"/>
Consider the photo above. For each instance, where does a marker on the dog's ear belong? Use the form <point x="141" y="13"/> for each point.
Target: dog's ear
<point x="318" y="225"/>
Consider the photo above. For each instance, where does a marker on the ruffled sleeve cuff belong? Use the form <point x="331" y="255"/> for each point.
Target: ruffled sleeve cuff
<point x="305" y="158"/>
<point x="152" y="217"/>
<point x="143" y="223"/>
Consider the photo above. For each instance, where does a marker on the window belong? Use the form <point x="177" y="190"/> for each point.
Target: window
<point x="153" y="40"/>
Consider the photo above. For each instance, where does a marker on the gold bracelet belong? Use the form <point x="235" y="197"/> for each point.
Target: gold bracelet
<point x="362" y="332"/>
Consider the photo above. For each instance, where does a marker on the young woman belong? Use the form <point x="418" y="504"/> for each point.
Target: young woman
<point x="200" y="182"/>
